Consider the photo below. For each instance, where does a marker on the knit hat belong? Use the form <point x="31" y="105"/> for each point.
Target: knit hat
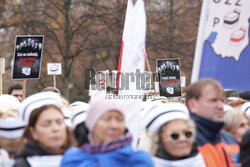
<point x="164" y="113"/>
<point x="246" y="108"/>
<point x="39" y="100"/>
<point x="10" y="127"/>
<point x="78" y="112"/>
<point x="99" y="105"/>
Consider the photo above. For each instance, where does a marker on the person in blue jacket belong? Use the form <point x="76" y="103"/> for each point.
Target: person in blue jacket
<point x="109" y="141"/>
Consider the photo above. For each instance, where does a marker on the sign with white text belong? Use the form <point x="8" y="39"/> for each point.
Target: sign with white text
<point x="27" y="57"/>
<point x="169" y="77"/>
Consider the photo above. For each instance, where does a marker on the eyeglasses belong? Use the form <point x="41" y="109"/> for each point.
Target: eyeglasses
<point x="175" y="136"/>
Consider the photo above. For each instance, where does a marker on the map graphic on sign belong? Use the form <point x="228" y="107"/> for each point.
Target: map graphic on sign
<point x="226" y="47"/>
<point x="231" y="25"/>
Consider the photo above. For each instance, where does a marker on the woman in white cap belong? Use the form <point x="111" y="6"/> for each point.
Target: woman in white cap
<point x="173" y="136"/>
<point x="48" y="136"/>
<point x="11" y="130"/>
<point x="109" y="142"/>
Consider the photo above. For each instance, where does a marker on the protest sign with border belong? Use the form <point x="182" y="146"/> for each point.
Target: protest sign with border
<point x="169" y="77"/>
<point x="27" y="57"/>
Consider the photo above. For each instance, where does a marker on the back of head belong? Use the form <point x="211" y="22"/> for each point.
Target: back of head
<point x="15" y="86"/>
<point x="232" y="119"/>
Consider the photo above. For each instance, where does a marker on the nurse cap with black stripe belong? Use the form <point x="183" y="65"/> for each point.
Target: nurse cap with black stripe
<point x="11" y="126"/>
<point x="39" y="100"/>
<point x="164" y="113"/>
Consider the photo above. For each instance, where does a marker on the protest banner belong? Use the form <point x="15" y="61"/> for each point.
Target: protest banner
<point x="223" y="46"/>
<point x="27" y="57"/>
<point x="169" y="77"/>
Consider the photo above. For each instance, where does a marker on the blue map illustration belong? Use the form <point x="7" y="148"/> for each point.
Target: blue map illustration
<point x="230" y="73"/>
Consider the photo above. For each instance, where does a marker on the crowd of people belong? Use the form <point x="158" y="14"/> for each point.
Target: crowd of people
<point x="202" y="129"/>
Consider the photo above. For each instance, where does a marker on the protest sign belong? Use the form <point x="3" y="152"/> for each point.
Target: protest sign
<point x="54" y="68"/>
<point x="169" y="77"/>
<point x="27" y="57"/>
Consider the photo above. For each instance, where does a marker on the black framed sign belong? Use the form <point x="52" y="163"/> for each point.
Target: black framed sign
<point x="169" y="77"/>
<point x="27" y="57"/>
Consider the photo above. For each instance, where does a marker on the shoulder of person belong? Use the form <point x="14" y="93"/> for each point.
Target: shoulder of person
<point x="74" y="157"/>
<point x="228" y="138"/>
<point x="141" y="158"/>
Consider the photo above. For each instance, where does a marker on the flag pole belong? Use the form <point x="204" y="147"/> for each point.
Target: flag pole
<point x="150" y="73"/>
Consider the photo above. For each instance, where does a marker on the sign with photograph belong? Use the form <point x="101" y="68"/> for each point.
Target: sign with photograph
<point x="169" y="77"/>
<point x="27" y="57"/>
<point x="54" y="68"/>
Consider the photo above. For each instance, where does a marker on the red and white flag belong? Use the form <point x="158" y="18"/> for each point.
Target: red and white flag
<point x="132" y="58"/>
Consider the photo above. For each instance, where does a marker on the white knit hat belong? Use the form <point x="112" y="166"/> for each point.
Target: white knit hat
<point x="164" y="113"/>
<point x="78" y="112"/>
<point x="98" y="106"/>
<point x="38" y="100"/>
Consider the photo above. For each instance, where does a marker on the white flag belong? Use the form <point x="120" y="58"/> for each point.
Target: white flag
<point x="133" y="59"/>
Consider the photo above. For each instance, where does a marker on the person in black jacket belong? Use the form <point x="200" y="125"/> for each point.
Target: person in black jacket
<point x="245" y="150"/>
<point x="46" y="132"/>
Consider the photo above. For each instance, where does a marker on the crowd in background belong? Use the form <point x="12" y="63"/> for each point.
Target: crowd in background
<point x="204" y="128"/>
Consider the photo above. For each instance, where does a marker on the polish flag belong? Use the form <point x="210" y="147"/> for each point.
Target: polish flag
<point x="132" y="58"/>
<point x="128" y="19"/>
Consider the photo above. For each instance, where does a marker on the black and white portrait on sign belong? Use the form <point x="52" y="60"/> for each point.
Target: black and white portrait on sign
<point x="169" y="77"/>
<point x="27" y="57"/>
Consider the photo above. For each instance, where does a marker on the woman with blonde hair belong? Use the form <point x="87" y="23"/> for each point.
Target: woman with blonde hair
<point x="173" y="134"/>
<point x="236" y="122"/>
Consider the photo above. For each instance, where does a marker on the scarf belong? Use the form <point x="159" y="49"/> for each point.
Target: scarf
<point x="107" y="146"/>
